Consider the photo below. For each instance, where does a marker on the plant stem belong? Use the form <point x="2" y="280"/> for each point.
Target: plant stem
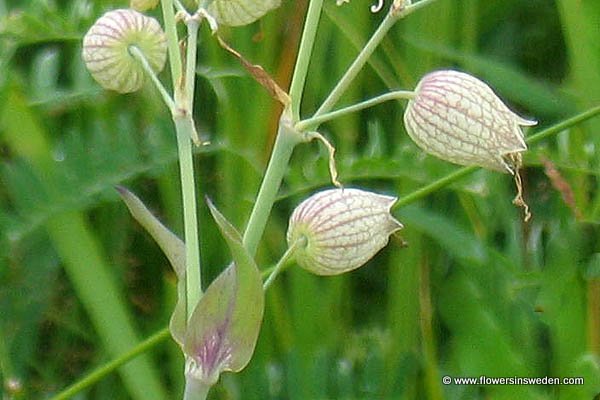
<point x="287" y="139"/>
<point x="283" y="262"/>
<point x="186" y="131"/>
<point x="390" y="19"/>
<point x="312" y="123"/>
<point x="190" y="63"/>
<point x="303" y="60"/>
<point x="111" y="366"/>
<point x="357" y="65"/>
<point x="172" y="41"/>
<point x="563" y="125"/>
<point x="434" y="186"/>
<point x="184" y="128"/>
<point x="141" y="58"/>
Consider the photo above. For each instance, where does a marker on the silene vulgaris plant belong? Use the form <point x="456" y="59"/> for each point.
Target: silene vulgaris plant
<point x="451" y="115"/>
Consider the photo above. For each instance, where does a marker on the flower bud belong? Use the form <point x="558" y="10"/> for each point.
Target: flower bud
<point x="458" y="118"/>
<point x="339" y="230"/>
<point x="106" y="49"/>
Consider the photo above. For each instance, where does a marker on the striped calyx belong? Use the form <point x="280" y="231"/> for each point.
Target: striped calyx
<point x="106" y="49"/>
<point x="240" y="12"/>
<point x="338" y="230"/>
<point x="460" y="119"/>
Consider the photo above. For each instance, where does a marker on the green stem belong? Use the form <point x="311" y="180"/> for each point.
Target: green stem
<point x="434" y="186"/>
<point x="190" y="65"/>
<point x="111" y="366"/>
<point x="592" y="112"/>
<point x="304" y="53"/>
<point x="287" y="139"/>
<point x="312" y="123"/>
<point x="283" y="262"/>
<point x="141" y="58"/>
<point x="184" y="127"/>
<point x="357" y="65"/>
<point x="390" y="19"/>
<point x="172" y="41"/>
<point x="456" y="175"/>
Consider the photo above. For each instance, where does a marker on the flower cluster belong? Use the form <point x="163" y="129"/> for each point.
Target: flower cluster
<point x="450" y="115"/>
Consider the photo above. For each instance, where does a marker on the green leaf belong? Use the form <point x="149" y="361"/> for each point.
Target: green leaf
<point x="174" y="249"/>
<point x="170" y="244"/>
<point x="240" y="12"/>
<point x="224" y="326"/>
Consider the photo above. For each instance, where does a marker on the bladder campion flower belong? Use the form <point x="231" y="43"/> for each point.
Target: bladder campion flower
<point x="459" y="118"/>
<point x="340" y="229"/>
<point x="106" y="49"/>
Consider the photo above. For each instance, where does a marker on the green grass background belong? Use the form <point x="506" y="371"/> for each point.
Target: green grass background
<point x="475" y="292"/>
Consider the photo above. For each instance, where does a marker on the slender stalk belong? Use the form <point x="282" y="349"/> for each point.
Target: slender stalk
<point x="312" y="123"/>
<point x="172" y="41"/>
<point x="390" y="19"/>
<point x="592" y="112"/>
<point x="434" y="186"/>
<point x="192" y="246"/>
<point x="357" y="65"/>
<point x="283" y="262"/>
<point x="180" y="7"/>
<point x="303" y="60"/>
<point x="111" y="366"/>
<point x="190" y="62"/>
<point x="139" y="55"/>
<point x="287" y="139"/>
<point x="189" y="80"/>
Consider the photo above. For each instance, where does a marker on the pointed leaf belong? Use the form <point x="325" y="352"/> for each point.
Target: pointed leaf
<point x="224" y="326"/>
<point x="240" y="12"/>
<point x="174" y="249"/>
<point x="170" y="244"/>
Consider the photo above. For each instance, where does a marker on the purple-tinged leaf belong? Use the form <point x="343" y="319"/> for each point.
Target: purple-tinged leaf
<point x="224" y="326"/>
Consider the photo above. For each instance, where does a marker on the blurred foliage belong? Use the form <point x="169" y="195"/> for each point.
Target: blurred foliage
<point x="475" y="292"/>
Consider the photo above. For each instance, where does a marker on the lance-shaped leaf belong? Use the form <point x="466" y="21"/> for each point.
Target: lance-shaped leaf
<point x="224" y="326"/>
<point x="174" y="250"/>
<point x="240" y="12"/>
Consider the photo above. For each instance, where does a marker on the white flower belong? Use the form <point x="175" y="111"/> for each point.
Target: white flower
<point x="458" y="118"/>
<point x="106" y="49"/>
<point x="339" y="230"/>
